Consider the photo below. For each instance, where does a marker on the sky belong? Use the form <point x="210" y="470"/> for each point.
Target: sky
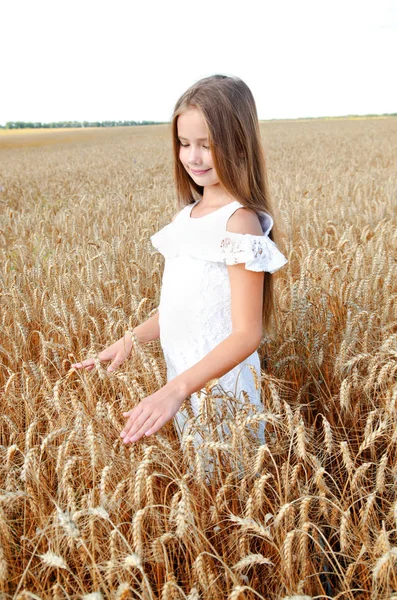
<point x="132" y="60"/>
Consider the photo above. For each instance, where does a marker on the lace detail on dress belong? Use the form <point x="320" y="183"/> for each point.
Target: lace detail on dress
<point x="207" y="238"/>
<point x="258" y="252"/>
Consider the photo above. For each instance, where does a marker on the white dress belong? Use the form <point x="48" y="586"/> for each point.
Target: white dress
<point x="195" y="302"/>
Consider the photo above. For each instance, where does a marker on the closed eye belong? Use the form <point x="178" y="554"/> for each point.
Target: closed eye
<point x="186" y="145"/>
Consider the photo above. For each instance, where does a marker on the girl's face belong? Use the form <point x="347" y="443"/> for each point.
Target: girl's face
<point x="194" y="152"/>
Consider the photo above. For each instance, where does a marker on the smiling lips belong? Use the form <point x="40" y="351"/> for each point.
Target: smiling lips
<point x="199" y="172"/>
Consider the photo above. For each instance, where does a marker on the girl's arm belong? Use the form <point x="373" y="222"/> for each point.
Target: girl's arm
<point x="246" y="297"/>
<point x="145" y="332"/>
<point x="118" y="352"/>
<point x="148" y="330"/>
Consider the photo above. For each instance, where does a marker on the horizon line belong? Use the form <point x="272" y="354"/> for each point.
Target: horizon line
<point x="147" y="122"/>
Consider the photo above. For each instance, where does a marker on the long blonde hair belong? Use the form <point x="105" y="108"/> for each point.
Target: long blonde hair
<point x="229" y="110"/>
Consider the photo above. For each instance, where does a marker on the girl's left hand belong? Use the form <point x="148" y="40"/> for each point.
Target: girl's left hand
<point x="152" y="412"/>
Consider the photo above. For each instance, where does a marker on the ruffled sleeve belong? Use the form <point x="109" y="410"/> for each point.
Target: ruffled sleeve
<point x="165" y="241"/>
<point x="258" y="252"/>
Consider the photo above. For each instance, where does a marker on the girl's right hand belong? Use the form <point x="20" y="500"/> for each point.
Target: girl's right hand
<point x="117" y="353"/>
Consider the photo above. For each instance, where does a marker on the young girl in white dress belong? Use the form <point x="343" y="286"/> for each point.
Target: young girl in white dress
<point x="217" y="288"/>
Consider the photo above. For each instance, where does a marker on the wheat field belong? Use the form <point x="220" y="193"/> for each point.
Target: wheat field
<point x="313" y="513"/>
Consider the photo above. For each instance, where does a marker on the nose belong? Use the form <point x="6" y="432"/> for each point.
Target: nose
<point x="195" y="155"/>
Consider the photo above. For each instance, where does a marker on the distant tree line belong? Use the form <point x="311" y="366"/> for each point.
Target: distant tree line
<point x="66" y="124"/>
<point x="75" y="124"/>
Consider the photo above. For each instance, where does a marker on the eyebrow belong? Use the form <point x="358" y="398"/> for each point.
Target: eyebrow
<point x="199" y="139"/>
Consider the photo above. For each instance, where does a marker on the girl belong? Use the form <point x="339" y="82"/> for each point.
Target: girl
<point x="217" y="287"/>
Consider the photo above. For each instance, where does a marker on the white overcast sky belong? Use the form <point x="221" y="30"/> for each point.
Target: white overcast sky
<point x="131" y="60"/>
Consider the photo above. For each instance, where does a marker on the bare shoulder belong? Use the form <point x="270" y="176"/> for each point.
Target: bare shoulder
<point x="244" y="220"/>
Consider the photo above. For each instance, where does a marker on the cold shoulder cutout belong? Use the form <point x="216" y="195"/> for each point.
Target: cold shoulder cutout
<point x="206" y="238"/>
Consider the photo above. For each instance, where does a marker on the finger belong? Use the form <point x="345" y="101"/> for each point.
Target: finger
<point x="134" y="413"/>
<point x="85" y="363"/>
<point x="127" y="414"/>
<point x="156" y="426"/>
<point x="148" y="424"/>
<point x="133" y="427"/>
<point x="115" y="364"/>
<point x="90" y="362"/>
<point x="87" y="368"/>
<point x="135" y="424"/>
